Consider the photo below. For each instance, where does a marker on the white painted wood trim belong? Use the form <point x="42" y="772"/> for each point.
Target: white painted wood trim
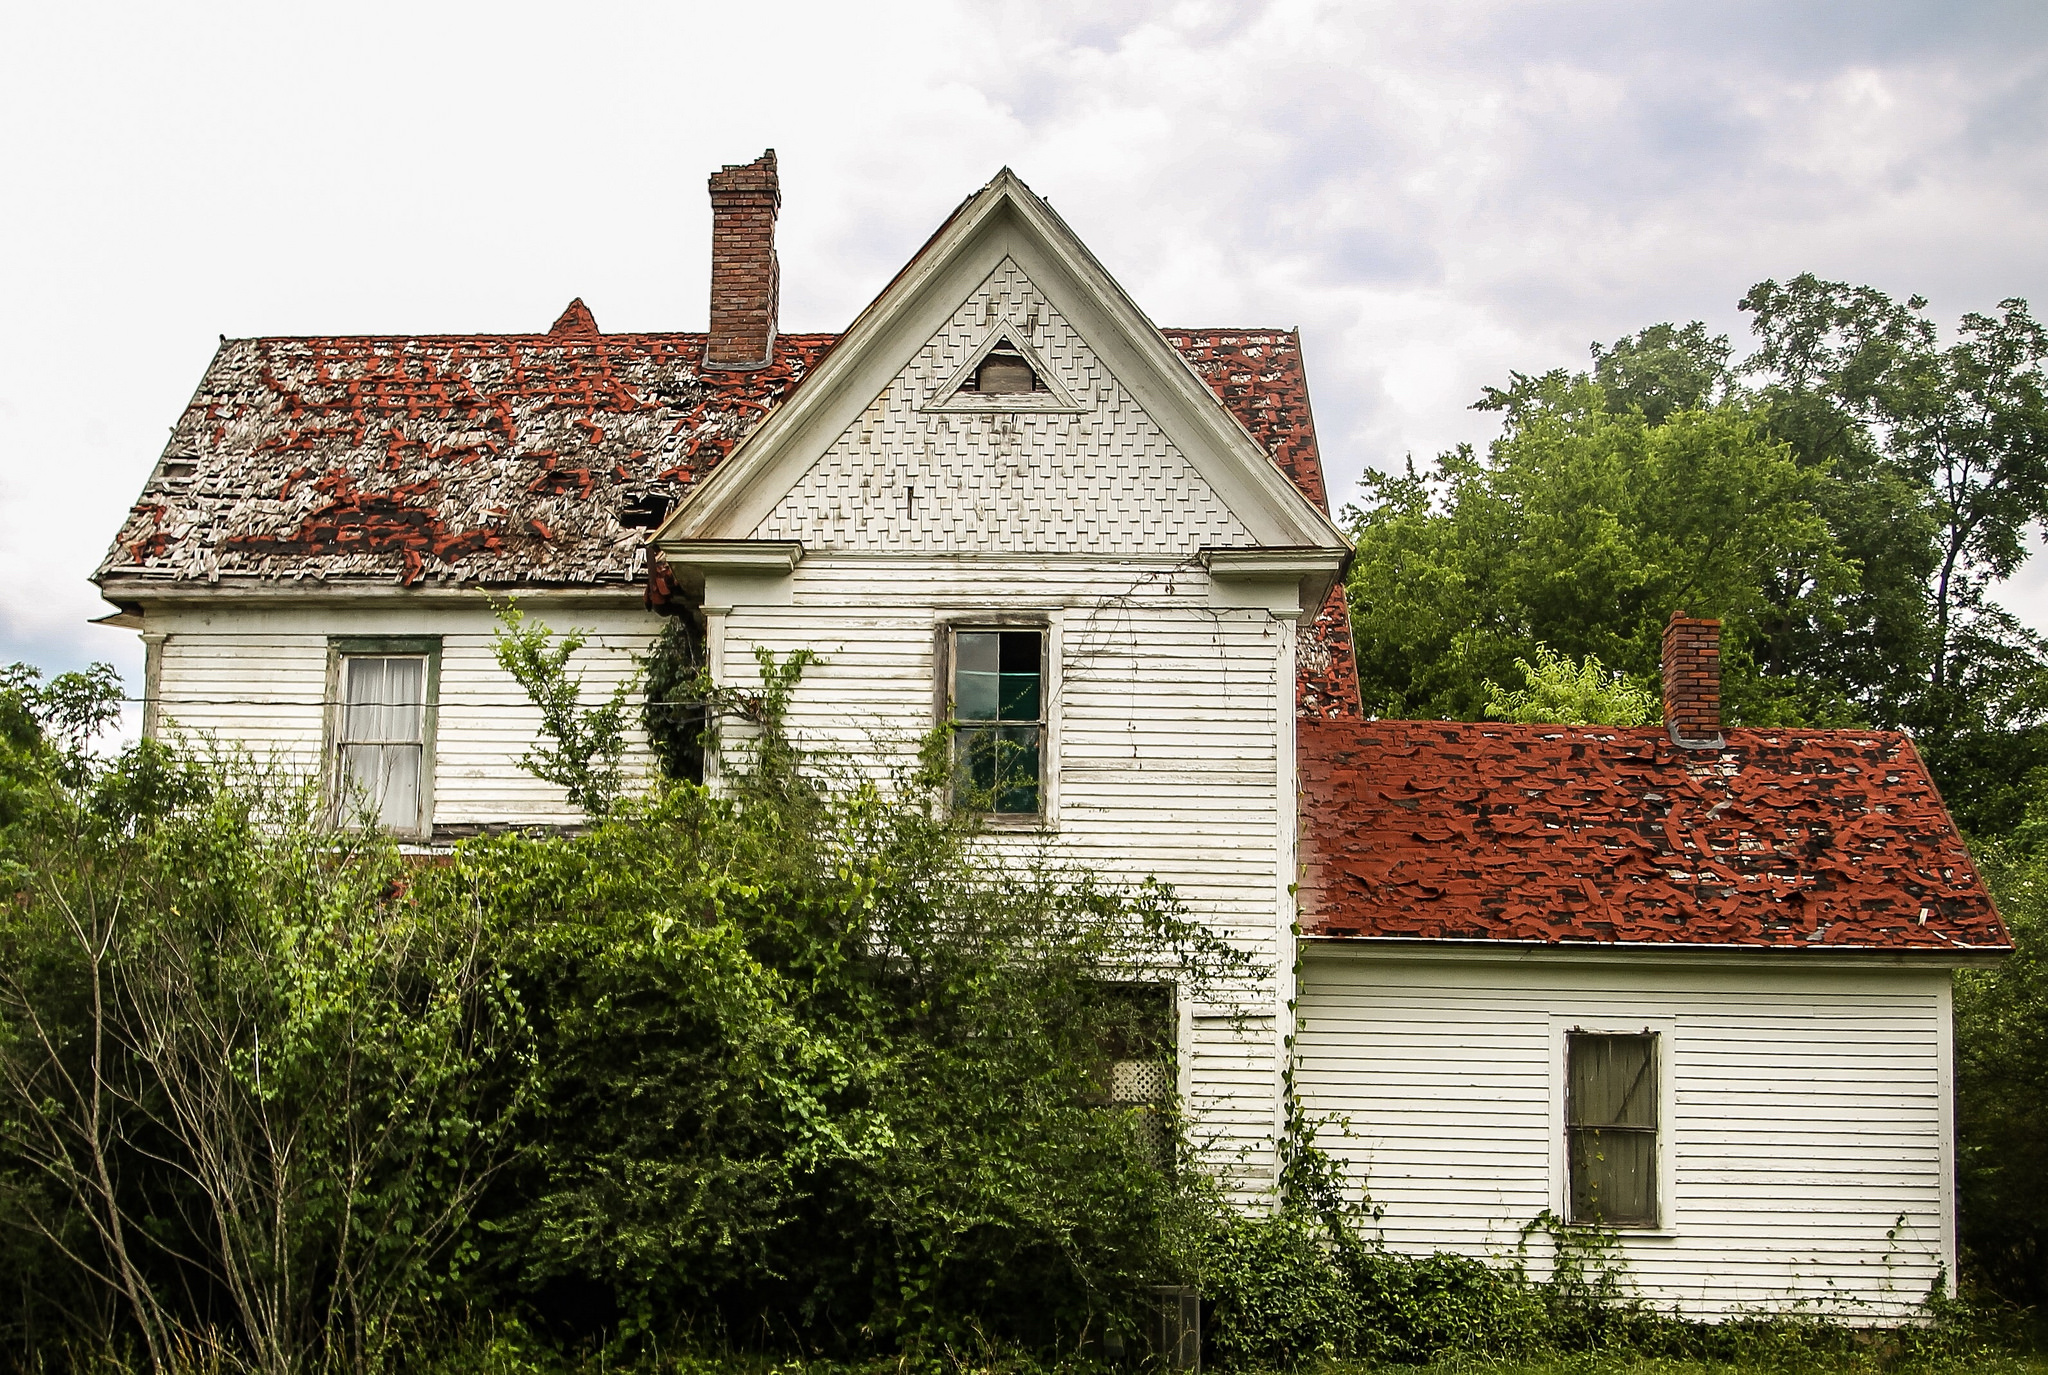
<point x="947" y="398"/>
<point x="1946" y="1072"/>
<point x="1287" y="931"/>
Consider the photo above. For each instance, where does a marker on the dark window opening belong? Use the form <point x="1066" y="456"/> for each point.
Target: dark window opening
<point x="1136" y="1073"/>
<point x="1610" y="1102"/>
<point x="999" y="720"/>
<point x="645" y="512"/>
<point x="1003" y="372"/>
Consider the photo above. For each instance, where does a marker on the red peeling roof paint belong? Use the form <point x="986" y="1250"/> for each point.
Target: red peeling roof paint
<point x="1444" y="830"/>
<point x="493" y="459"/>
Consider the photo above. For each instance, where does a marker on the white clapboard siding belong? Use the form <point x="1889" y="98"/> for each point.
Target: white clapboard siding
<point x="1166" y="716"/>
<point x="1806" y="1135"/>
<point x="256" y="678"/>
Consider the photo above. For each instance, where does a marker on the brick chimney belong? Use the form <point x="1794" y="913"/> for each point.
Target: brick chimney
<point x="1692" y="682"/>
<point x="745" y="279"/>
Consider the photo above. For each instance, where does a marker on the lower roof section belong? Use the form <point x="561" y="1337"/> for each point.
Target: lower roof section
<point x="1447" y="831"/>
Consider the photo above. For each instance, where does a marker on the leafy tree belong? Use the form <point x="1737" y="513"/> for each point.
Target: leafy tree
<point x="581" y="749"/>
<point x="1663" y="369"/>
<point x="1562" y="691"/>
<point x="1583" y="528"/>
<point x="2002" y="1081"/>
<point x="1957" y="437"/>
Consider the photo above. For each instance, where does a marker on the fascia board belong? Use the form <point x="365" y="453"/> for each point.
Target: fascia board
<point x="1227" y="562"/>
<point x="1778" y="959"/>
<point x="1006" y="219"/>
<point x="734" y="556"/>
<point x="344" y="592"/>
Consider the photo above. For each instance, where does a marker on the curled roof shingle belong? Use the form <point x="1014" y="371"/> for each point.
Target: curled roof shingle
<point x="1445" y="830"/>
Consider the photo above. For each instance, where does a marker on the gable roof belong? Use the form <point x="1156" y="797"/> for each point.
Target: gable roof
<point x="1455" y="831"/>
<point x="1004" y="223"/>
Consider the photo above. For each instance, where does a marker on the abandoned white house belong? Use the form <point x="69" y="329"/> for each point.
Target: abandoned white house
<point x="1689" y="985"/>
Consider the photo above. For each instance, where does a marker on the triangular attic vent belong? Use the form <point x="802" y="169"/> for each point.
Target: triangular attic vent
<point x="1004" y="373"/>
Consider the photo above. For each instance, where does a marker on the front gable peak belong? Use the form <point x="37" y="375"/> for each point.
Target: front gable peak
<point x="1012" y="366"/>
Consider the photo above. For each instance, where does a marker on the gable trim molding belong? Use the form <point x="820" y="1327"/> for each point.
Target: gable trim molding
<point x="1002" y="220"/>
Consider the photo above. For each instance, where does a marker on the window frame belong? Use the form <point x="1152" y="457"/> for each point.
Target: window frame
<point x="1662" y="1029"/>
<point x="341" y="648"/>
<point x="944" y="660"/>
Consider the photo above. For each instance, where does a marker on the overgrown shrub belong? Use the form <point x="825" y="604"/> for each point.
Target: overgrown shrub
<point x="803" y="1067"/>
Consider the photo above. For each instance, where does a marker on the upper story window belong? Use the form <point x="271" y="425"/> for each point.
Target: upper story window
<point x="382" y="735"/>
<point x="998" y="699"/>
<point x="1611" y="1128"/>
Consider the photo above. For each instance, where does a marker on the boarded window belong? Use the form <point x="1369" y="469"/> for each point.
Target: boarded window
<point x="999" y="715"/>
<point x="1003" y="372"/>
<point x="381" y="739"/>
<point x="1611" y="1122"/>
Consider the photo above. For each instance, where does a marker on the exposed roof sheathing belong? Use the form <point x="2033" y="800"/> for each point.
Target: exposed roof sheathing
<point x="1443" y="830"/>
<point x="475" y="459"/>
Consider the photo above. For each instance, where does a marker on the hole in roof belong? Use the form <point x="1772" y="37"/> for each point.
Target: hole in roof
<point x="180" y="467"/>
<point x="645" y="512"/>
<point x="1003" y="372"/>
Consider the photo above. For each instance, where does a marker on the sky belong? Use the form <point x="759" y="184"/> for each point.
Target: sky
<point x="1435" y="194"/>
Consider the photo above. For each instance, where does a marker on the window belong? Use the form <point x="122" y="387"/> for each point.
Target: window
<point x="998" y="700"/>
<point x="382" y="759"/>
<point x="1610" y="1105"/>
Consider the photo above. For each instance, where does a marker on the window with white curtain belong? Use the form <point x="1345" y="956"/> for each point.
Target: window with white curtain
<point x="382" y="765"/>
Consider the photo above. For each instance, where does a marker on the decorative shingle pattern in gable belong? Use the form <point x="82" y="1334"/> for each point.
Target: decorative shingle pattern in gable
<point x="906" y="477"/>
<point x="1439" y="830"/>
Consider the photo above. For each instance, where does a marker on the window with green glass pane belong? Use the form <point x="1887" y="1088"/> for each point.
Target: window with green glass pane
<point x="1611" y="1121"/>
<point x="999" y="719"/>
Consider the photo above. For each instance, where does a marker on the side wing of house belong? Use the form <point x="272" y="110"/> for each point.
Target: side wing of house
<point x="1798" y="1141"/>
<point x="1692" y="999"/>
<point x="1084" y="510"/>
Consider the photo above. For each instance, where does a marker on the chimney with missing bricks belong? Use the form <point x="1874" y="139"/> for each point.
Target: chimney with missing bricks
<point x="745" y="280"/>
<point x="1692" y="682"/>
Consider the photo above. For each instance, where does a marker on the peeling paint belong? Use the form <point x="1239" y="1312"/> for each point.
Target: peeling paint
<point x="1445" y="830"/>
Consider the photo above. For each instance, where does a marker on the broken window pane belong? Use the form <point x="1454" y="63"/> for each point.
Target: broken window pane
<point x="383" y="737"/>
<point x="1611" y="1122"/>
<point x="999" y="708"/>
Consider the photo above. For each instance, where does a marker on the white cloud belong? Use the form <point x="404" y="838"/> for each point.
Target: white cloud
<point x="1437" y="194"/>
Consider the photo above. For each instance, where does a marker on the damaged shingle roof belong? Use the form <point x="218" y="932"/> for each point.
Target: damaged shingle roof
<point x="489" y="459"/>
<point x="1443" y="830"/>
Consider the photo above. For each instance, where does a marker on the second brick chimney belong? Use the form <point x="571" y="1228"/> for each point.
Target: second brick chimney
<point x="746" y="282"/>
<point x="1692" y="682"/>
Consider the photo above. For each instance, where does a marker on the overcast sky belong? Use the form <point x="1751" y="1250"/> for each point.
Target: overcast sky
<point x="1435" y="193"/>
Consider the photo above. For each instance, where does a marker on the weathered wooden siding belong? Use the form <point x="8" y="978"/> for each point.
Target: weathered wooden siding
<point x="1807" y="1136"/>
<point x="257" y="677"/>
<point x="1167" y="717"/>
